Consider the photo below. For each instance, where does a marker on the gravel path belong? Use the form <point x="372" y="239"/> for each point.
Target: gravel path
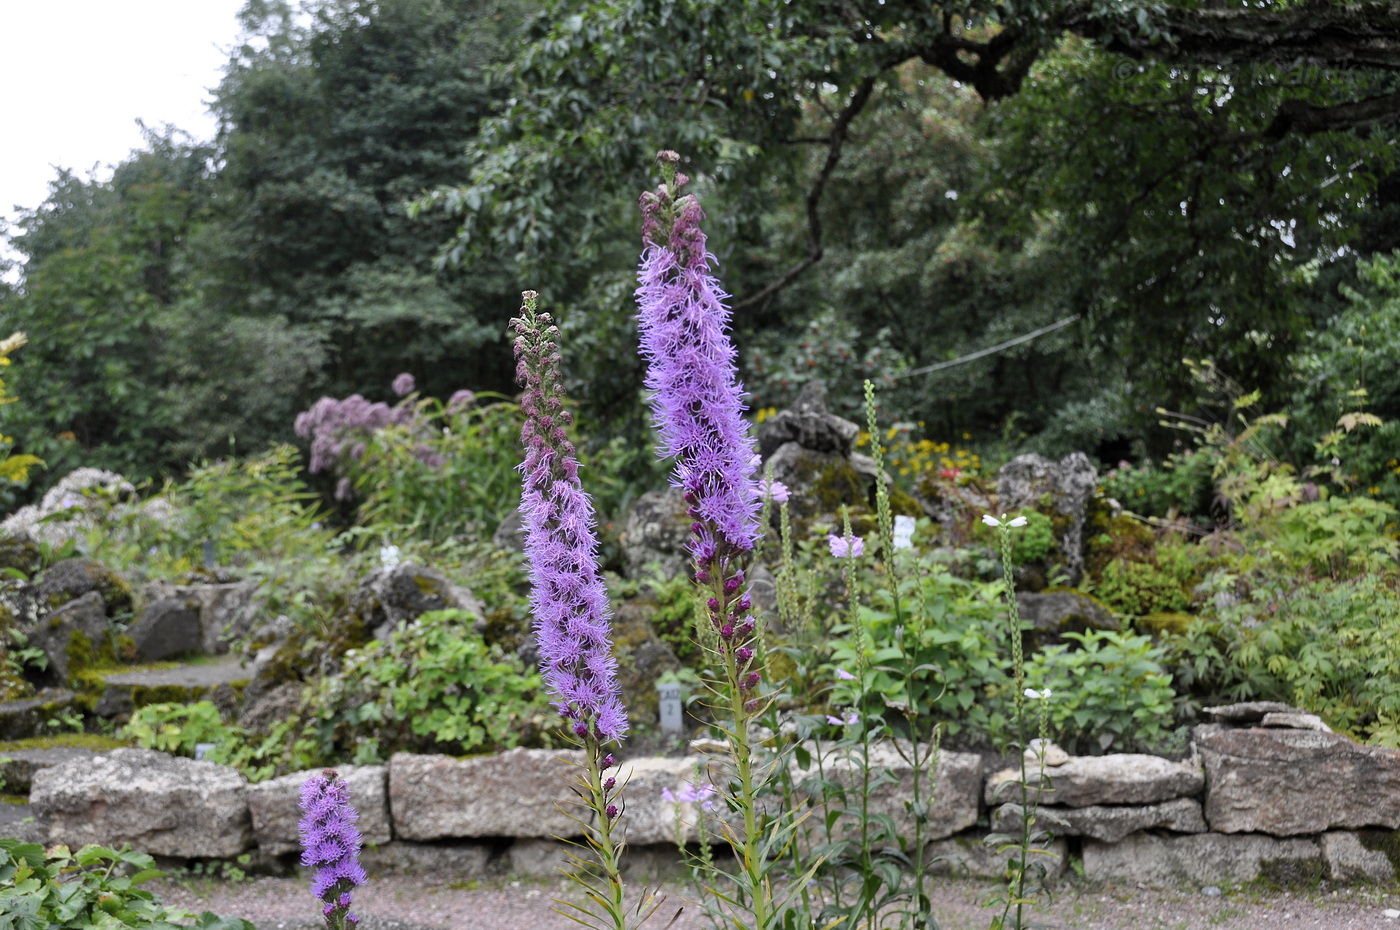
<point x="420" y="903"/>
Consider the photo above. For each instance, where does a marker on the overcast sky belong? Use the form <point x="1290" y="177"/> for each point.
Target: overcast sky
<point x="80" y="73"/>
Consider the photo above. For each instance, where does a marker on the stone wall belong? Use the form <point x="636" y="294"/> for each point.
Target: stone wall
<point x="1269" y="792"/>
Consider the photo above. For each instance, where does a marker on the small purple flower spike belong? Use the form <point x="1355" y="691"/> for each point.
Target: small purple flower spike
<point x="566" y="586"/>
<point x="331" y="844"/>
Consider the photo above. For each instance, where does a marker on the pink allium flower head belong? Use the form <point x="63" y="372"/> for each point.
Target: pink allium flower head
<point x="566" y="587"/>
<point x="460" y="400"/>
<point x="403" y="385"/>
<point x="841" y="549"/>
<point x="331" y="844"/>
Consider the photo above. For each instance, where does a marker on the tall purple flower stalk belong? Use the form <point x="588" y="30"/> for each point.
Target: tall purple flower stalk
<point x="567" y="593"/>
<point x="331" y="844"/>
<point x="569" y="601"/>
<point x="697" y="404"/>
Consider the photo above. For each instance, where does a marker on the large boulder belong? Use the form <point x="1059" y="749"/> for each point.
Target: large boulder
<point x="70" y="579"/>
<point x="162" y="805"/>
<point x="520" y="793"/>
<point x="819" y="482"/>
<point x="650" y="818"/>
<point x="809" y="424"/>
<point x="397" y="594"/>
<point x="27" y="717"/>
<point x="1107" y="823"/>
<point x="1287" y="782"/>
<point x="1063" y="488"/>
<point x="73" y="634"/>
<point x="276" y="815"/>
<point x="223" y="611"/>
<point x="73" y="497"/>
<point x="953" y="793"/>
<point x="168" y="627"/>
<point x="1121" y="778"/>
<point x="655" y="532"/>
<point x="1203" y="859"/>
<point x="1052" y="614"/>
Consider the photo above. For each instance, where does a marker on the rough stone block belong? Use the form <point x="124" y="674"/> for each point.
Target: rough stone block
<point x="1122" y="778"/>
<point x="1349" y="861"/>
<point x="449" y="860"/>
<point x="160" y="804"/>
<point x="647" y="817"/>
<point x="524" y="793"/>
<point x="276" y="816"/>
<point x="168" y="627"/>
<point x="1287" y="782"/>
<point x="953" y="793"/>
<point x="969" y="856"/>
<point x="1203" y="859"/>
<point x="1109" y="824"/>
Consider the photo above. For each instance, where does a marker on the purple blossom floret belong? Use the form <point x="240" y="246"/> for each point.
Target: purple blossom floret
<point x="841" y="548"/>
<point x="331" y="844"/>
<point x="403" y="385"/>
<point x="570" y="603"/>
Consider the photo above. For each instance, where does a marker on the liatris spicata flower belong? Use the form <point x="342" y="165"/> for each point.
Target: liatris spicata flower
<point x="697" y="403"/>
<point x="331" y="844"/>
<point x="570" y="603"/>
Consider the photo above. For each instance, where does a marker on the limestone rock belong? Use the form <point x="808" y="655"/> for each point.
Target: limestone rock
<point x="968" y="856"/>
<point x="1055" y="613"/>
<point x="1249" y="711"/>
<point x="518" y="793"/>
<point x="225" y="611"/>
<point x="1107" y="823"/>
<point x="1070" y="484"/>
<point x="160" y="804"/>
<point x="273" y="705"/>
<point x="18" y="822"/>
<point x="510" y="533"/>
<point x="809" y="424"/>
<point x="73" y="497"/>
<point x="26" y="717"/>
<point x="17" y="766"/>
<point x="1049" y="754"/>
<point x="21" y="553"/>
<point x="539" y="858"/>
<point x="273" y="806"/>
<point x="1202" y="859"/>
<point x="656" y="530"/>
<point x="1349" y="861"/>
<point x="72" y="578"/>
<point x="1289" y="782"/>
<point x="84" y="616"/>
<point x="168" y="627"/>
<point x="454" y="860"/>
<point x="1122" y="778"/>
<point x="1296" y="722"/>
<point x="818" y="482"/>
<point x="954" y="795"/>
<point x="388" y="596"/>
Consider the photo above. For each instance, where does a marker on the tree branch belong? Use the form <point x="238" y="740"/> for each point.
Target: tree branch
<point x="1301" y="117"/>
<point x="837" y="138"/>
<point x="1319" y="34"/>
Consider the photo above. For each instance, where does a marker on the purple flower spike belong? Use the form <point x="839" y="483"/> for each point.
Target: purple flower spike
<point x="570" y="603"/>
<point x="331" y="844"/>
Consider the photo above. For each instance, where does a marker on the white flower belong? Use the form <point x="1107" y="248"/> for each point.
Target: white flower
<point x="903" y="532"/>
<point x="990" y="520"/>
<point x="389" y="556"/>
<point x="993" y="521"/>
<point x="1019" y="521"/>
<point x="1035" y="695"/>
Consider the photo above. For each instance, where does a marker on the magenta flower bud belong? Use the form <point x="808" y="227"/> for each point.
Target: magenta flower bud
<point x="609" y="761"/>
<point x="351" y="919"/>
<point x="702" y="577"/>
<point x="751" y="681"/>
<point x="745" y="628"/>
<point x="612" y="811"/>
<point x="580" y="729"/>
<point x="743" y="605"/>
<point x="697" y="528"/>
<point x="713" y="604"/>
<point x="727" y="632"/>
<point x="344" y="900"/>
<point x="328" y="910"/>
<point x="610" y="784"/>
<point x="743" y="653"/>
<point x="731" y="585"/>
<point x="751" y="706"/>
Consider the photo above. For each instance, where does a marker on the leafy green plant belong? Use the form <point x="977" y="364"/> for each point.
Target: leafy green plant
<point x="177" y="728"/>
<point x="1111" y="691"/>
<point x="1326" y="647"/>
<point x="1181" y="483"/>
<point x="433" y="685"/>
<point x="1163" y="585"/>
<point x="88" y="890"/>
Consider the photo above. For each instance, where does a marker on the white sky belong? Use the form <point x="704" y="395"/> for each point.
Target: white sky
<point x="80" y="73"/>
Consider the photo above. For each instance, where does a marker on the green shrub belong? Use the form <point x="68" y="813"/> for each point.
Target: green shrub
<point x="87" y="891"/>
<point x="1181" y="483"/>
<point x="433" y="686"/>
<point x="1326" y="647"/>
<point x="1109" y="692"/>
<point x="1160" y="586"/>
<point x="177" y="728"/>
